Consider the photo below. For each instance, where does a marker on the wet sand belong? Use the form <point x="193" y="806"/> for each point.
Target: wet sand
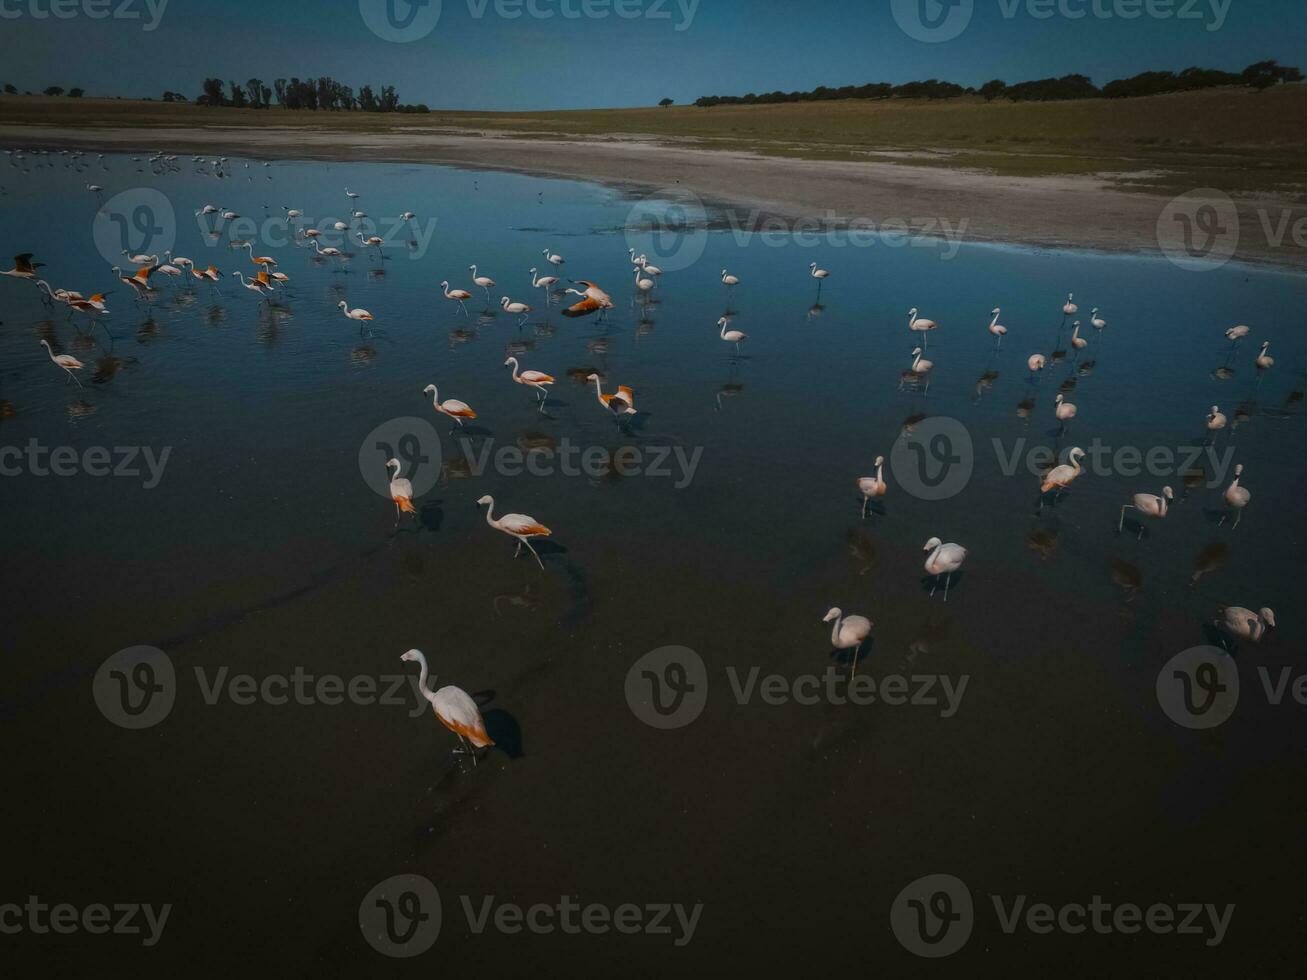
<point x="970" y="205"/>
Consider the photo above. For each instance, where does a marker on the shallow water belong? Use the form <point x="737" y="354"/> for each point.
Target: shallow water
<point x="263" y="550"/>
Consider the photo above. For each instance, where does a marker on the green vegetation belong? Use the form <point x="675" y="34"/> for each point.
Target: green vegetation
<point x="1236" y="139"/>
<point x="1262" y="75"/>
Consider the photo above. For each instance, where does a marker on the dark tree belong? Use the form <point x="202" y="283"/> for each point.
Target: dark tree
<point x="280" y="86"/>
<point x="10" y="90"/>
<point x="993" y="90"/>
<point x="666" y="102"/>
<point x="213" y="93"/>
<point x="54" y="90"/>
<point x="76" y="93"/>
<point x="1266" y="74"/>
<point x="238" y="96"/>
<point x="368" y="99"/>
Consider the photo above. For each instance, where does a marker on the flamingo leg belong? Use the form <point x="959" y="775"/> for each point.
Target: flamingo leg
<point x="1121" y="523"/>
<point x="865" y="500"/>
<point x="1237" y="518"/>
<point x="534" y="552"/>
<point x="947" y="580"/>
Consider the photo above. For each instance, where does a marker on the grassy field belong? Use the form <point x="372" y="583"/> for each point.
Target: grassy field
<point x="1235" y="139"/>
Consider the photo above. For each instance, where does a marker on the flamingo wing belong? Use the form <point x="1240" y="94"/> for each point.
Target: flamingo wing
<point x="456" y="407"/>
<point x="536" y="377"/>
<point x="524" y="525"/>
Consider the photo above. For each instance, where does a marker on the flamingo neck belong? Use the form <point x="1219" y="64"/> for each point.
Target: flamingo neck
<point x="435" y="396"/>
<point x="993" y="323"/>
<point x="835" y="630"/>
<point x="490" y="512"/>
<point x="423" y="674"/>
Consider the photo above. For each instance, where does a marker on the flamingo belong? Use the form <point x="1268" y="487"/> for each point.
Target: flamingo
<point x="920" y="367"/>
<point x="554" y="259"/>
<point x="1244" y="624"/>
<point x="516" y="309"/>
<point x="1078" y="342"/>
<point x="179" y="260"/>
<point x="65" y="361"/>
<point x="211" y="274"/>
<point x="259" y="260"/>
<point x="280" y="277"/>
<point x="207" y="209"/>
<point x="944" y="559"/>
<point x="1215" y="420"/>
<point x="1264" y="361"/>
<point x="518" y="526"/>
<point x="138" y="281"/>
<point x="543" y="282"/>
<point x="372" y="241"/>
<point x="354" y="314"/>
<point x="1065" y="410"/>
<point x="1149" y="505"/>
<point x="919" y="325"/>
<point x="730" y="280"/>
<point x="24" y="267"/>
<point x="644" y="285"/>
<point x="848" y="633"/>
<point x="292" y="213"/>
<point x="643" y="262"/>
<point x="731" y="336"/>
<point x="329" y="251"/>
<point x="1061" y="477"/>
<point x="459" y="296"/>
<point x="819" y="274"/>
<point x="1036" y="363"/>
<point x="1096" y="321"/>
<point x="532" y="379"/>
<point x="873" y="486"/>
<point x="485" y="282"/>
<point x="455" y="409"/>
<point x="1070" y="308"/>
<point x="997" y="329"/>
<point x="351" y="195"/>
<point x="454" y="709"/>
<point x="622" y="402"/>
<point x="401" y="491"/>
<point x="407" y="216"/>
<point x="260" y="287"/>
<point x="1237" y="496"/>
<point x="592" y="298"/>
<point x="142" y="259"/>
<point x="1236" y="334"/>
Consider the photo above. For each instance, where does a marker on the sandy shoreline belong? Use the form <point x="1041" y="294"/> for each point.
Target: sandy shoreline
<point x="959" y="205"/>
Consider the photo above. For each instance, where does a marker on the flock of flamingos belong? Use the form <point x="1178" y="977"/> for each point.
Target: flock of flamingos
<point x="456" y="709"/>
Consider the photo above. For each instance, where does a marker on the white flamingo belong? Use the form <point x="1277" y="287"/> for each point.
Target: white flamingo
<point x="455" y="709"/>
<point x="518" y="526"/>
<point x="848" y="633"/>
<point x="731" y="336"/>
<point x="65" y="361"/>
<point x="1244" y="624"/>
<point x="460" y="296"/>
<point x="944" y="559"/>
<point x="873" y="486"/>
<point x="485" y="282"/>
<point x="1236" y="496"/>
<point x="1150" y="505"/>
<point x="532" y="379"/>
<point x="997" y="329"/>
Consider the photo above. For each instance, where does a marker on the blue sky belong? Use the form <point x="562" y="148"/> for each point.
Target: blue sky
<point x="476" y="57"/>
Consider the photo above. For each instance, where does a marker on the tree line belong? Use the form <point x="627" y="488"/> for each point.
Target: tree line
<point x="311" y="93"/>
<point x="72" y="93"/>
<point x="1259" y="76"/>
